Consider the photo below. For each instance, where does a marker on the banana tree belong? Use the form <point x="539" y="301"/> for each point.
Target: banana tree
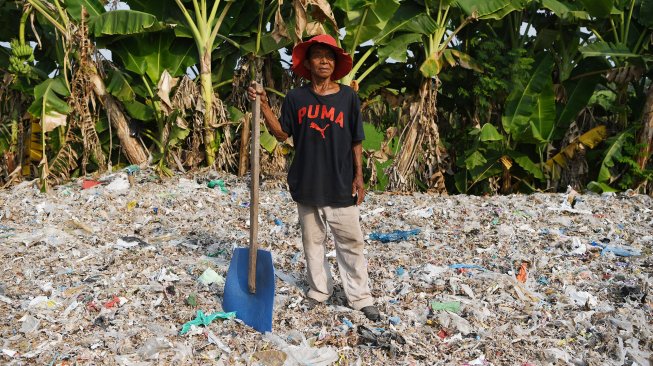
<point x="205" y="27"/>
<point x="623" y="39"/>
<point x="149" y="61"/>
<point x="367" y="22"/>
<point x="541" y="107"/>
<point x="422" y="158"/>
<point x="65" y="18"/>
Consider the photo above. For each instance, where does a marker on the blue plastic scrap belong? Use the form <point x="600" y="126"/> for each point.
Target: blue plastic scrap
<point x="618" y="251"/>
<point x="394" y="320"/>
<point x="543" y="280"/>
<point x="467" y="266"/>
<point x="132" y="169"/>
<point x="396" y="235"/>
<point x="348" y="322"/>
<point x="400" y="271"/>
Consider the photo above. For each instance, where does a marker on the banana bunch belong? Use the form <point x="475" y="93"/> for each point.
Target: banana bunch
<point x="21" y="57"/>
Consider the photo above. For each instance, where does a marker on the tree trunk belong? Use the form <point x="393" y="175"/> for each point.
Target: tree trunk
<point x="134" y="151"/>
<point x="421" y="156"/>
<point x="207" y="97"/>
<point x="646" y="134"/>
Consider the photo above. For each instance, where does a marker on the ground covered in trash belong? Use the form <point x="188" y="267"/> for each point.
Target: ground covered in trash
<point x="111" y="274"/>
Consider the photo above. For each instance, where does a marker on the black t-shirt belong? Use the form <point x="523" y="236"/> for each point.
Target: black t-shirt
<point x="323" y="128"/>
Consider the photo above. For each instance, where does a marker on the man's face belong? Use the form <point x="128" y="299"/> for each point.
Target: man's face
<point x="321" y="61"/>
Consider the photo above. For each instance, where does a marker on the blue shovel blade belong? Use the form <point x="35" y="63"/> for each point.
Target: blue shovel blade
<point x="255" y="309"/>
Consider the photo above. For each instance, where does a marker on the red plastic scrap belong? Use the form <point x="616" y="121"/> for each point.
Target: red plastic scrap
<point x="112" y="302"/>
<point x="523" y="273"/>
<point x="86" y="184"/>
<point x="443" y="334"/>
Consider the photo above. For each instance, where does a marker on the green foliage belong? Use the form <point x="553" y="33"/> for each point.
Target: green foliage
<point x="619" y="169"/>
<point x="374" y="139"/>
<point x="490" y="133"/>
<point x="566" y="10"/>
<point x="598" y="8"/>
<point x="48" y="105"/>
<point x="120" y="86"/>
<point x="488" y="9"/>
<point x="150" y="54"/>
<point x="605" y="49"/>
<point x="94" y="8"/>
<point x="501" y="115"/>
<point x="523" y="101"/>
<point x="502" y="67"/>
<point x="123" y="22"/>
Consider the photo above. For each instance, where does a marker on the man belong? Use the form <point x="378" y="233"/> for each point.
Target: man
<point x="326" y="174"/>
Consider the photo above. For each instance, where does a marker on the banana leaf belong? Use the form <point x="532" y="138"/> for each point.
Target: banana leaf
<point x="407" y="18"/>
<point x="522" y="102"/>
<point x="475" y="160"/>
<point x="163" y="10"/>
<point x="488" y="9"/>
<point x="527" y="164"/>
<point x="589" y="139"/>
<point x="598" y="8"/>
<point x="120" y="86"/>
<point x="578" y="96"/>
<point x="48" y="106"/>
<point x="149" y="54"/>
<point x="93" y="7"/>
<point x="599" y="187"/>
<point x="566" y="10"/>
<point x="612" y="154"/>
<point x="606" y="49"/>
<point x="34" y="145"/>
<point x="490" y="133"/>
<point x="646" y="13"/>
<point x="543" y="119"/>
<point x="124" y="22"/>
<point x="139" y="110"/>
<point x="397" y="47"/>
<point x="364" y="20"/>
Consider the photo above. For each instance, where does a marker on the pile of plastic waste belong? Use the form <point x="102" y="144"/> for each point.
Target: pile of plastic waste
<point x="129" y="269"/>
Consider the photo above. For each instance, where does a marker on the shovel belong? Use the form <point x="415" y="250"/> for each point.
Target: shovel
<point x="249" y="287"/>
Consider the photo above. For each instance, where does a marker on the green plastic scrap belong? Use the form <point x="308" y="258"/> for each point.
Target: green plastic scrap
<point x="218" y="183"/>
<point x="205" y="320"/>
<point x="453" y="306"/>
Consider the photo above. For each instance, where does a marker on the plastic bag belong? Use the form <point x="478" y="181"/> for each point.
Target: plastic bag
<point x="397" y="235"/>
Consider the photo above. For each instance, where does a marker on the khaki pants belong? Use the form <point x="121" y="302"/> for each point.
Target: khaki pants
<point x="348" y="237"/>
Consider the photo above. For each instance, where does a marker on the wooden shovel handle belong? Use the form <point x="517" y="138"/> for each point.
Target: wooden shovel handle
<point x="253" y="206"/>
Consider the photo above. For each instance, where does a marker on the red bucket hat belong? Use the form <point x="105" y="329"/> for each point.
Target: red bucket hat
<point x="344" y="62"/>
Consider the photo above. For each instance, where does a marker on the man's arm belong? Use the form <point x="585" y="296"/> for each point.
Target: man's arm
<point x="358" y="187"/>
<point x="271" y="121"/>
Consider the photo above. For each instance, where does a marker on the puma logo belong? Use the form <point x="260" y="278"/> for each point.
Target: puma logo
<point x="315" y="126"/>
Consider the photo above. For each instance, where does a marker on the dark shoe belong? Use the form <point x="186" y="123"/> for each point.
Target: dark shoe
<point x="310" y="303"/>
<point x="371" y="313"/>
